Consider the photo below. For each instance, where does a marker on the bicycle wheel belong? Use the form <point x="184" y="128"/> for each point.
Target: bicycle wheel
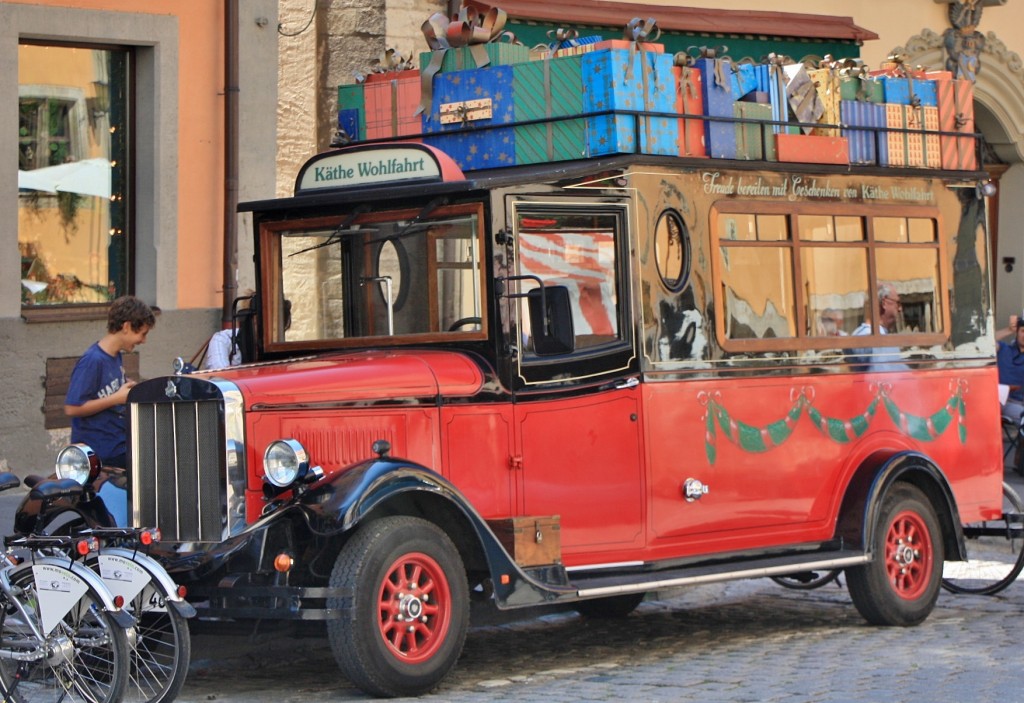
<point x="162" y="649"/>
<point x="163" y="646"/>
<point x="807" y="580"/>
<point x="995" y="552"/>
<point x="82" y="656"/>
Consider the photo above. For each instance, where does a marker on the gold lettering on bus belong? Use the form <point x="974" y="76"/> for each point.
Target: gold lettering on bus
<point x="798" y="187"/>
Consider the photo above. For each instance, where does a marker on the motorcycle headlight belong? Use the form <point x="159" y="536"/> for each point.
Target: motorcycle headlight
<point x="285" y="461"/>
<point x="78" y="462"/>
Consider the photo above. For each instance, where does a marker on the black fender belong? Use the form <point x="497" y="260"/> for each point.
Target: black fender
<point x="338" y="505"/>
<point x="873" y="480"/>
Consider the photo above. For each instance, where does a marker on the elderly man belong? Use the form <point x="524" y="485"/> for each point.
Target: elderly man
<point x="881" y="358"/>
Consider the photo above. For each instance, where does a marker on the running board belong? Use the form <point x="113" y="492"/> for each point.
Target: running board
<point x="619" y="584"/>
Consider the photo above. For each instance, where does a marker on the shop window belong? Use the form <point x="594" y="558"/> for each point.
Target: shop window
<point x="74" y="232"/>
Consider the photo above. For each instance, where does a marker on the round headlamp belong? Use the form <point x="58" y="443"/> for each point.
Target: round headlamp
<point x="78" y="462"/>
<point x="285" y="461"/>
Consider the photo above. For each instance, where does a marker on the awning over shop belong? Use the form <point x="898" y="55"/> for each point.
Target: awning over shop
<point x="743" y="32"/>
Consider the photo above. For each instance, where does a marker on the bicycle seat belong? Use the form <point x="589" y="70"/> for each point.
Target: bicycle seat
<point x="57" y="488"/>
<point x="8" y="480"/>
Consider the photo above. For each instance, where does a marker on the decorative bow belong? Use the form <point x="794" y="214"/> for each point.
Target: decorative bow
<point x="443" y="34"/>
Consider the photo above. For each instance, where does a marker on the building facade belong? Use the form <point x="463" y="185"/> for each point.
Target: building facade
<point x="187" y="107"/>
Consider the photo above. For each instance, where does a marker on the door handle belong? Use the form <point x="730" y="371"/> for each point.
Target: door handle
<point x="628" y="383"/>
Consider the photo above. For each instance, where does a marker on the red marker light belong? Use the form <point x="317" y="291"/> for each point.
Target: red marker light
<point x="84" y="546"/>
<point x="283" y="562"/>
<point x="182" y="591"/>
<point x="119" y="602"/>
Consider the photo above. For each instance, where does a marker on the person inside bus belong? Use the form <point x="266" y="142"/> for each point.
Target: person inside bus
<point x="1010" y="360"/>
<point x="831" y="323"/>
<point x="881" y="358"/>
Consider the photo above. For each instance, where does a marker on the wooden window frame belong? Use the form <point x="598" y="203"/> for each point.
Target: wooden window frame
<point x="802" y="341"/>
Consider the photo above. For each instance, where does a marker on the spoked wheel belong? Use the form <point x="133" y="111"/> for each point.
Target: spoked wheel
<point x="900" y="585"/>
<point x="403" y="628"/>
<point x="84" y="658"/>
<point x="163" y="648"/>
<point x="807" y="580"/>
<point x="995" y="552"/>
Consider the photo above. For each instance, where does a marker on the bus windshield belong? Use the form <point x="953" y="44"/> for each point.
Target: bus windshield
<point x="399" y="276"/>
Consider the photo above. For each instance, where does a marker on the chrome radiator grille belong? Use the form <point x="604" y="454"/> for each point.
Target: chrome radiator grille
<point x="178" y="461"/>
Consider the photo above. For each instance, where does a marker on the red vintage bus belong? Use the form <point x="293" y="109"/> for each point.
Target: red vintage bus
<point x="579" y="382"/>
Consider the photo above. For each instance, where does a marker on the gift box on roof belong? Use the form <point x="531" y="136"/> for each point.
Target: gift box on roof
<point x="754" y="137"/>
<point x="932" y="143"/>
<point x="392" y="101"/>
<point x="861" y="87"/>
<point x="631" y="81"/>
<point x="906" y="142"/>
<point x="500" y="53"/>
<point x="909" y="91"/>
<point x="352" y="111"/>
<point x="471" y="100"/>
<point x="956" y="114"/>
<point x="743" y="79"/>
<point x="477" y="150"/>
<point x="812" y="149"/>
<point x="802" y="96"/>
<point x="826" y="82"/>
<point x="716" y="89"/>
<point x="777" y="93"/>
<point x="864" y="143"/>
<point x="548" y="90"/>
<point x="689" y="101"/>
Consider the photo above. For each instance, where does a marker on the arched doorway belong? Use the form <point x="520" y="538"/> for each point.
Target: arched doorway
<point x="999" y="117"/>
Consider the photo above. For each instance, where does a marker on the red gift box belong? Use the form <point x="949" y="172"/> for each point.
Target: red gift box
<point x="812" y="149"/>
<point x="956" y="114"/>
<point x="392" y="99"/>
<point x="689" y="101"/>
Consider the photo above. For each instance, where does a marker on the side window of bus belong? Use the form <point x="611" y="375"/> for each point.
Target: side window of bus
<point x="577" y="250"/>
<point x="796" y="276"/>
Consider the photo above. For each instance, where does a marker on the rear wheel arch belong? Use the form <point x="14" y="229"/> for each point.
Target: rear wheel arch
<point x="872" y="481"/>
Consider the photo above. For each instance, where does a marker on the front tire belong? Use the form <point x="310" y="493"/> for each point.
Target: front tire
<point x="900" y="585"/>
<point x="402" y="629"/>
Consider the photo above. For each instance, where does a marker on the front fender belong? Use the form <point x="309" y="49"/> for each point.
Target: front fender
<point x="858" y="515"/>
<point x="340" y="504"/>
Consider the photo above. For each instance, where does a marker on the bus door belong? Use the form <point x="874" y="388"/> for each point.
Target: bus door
<point x="577" y="405"/>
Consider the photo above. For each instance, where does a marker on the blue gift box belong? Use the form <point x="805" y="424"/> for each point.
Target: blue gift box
<point x="476" y="150"/>
<point x="640" y="81"/>
<point x="716" y="84"/>
<point x="348" y="121"/>
<point x="744" y="79"/>
<point x="490" y="82"/>
<point x="867" y="146"/>
<point x="901" y="91"/>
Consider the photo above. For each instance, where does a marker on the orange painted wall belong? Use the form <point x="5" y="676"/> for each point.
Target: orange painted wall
<point x="200" y="142"/>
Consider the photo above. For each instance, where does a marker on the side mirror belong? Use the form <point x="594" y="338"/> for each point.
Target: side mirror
<point x="551" y="320"/>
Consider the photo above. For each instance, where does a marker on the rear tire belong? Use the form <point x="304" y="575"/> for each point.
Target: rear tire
<point x="900" y="585"/>
<point x="995" y="552"/>
<point x="402" y="628"/>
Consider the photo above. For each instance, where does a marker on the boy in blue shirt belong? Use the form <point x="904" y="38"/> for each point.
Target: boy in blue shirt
<point x="98" y="390"/>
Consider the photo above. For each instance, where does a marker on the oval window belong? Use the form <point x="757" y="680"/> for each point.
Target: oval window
<point x="672" y="250"/>
<point x="393" y="264"/>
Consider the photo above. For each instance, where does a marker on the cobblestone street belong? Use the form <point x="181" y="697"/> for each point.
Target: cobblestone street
<point x="743" y="641"/>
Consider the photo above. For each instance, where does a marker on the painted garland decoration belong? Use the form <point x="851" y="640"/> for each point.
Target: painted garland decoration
<point x="750" y="438"/>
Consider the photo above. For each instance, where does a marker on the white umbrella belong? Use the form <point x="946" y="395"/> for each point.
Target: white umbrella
<point x="88" y="177"/>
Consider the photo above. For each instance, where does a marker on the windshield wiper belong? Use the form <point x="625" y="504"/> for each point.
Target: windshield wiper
<point x="341" y="229"/>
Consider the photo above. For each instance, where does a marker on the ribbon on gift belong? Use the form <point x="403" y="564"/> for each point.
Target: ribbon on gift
<point x="562" y="37"/>
<point x="637" y="32"/>
<point x="443" y="34"/>
<point x="686" y="64"/>
<point x="392" y="61"/>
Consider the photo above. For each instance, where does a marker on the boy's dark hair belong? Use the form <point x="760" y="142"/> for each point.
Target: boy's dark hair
<point x="130" y="309"/>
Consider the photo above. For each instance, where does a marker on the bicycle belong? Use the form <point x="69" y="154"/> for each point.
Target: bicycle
<point x="995" y="550"/>
<point x="161" y="640"/>
<point x="63" y="638"/>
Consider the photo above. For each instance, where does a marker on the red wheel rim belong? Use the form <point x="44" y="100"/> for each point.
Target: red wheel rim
<point x="909" y="555"/>
<point x="415" y="608"/>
